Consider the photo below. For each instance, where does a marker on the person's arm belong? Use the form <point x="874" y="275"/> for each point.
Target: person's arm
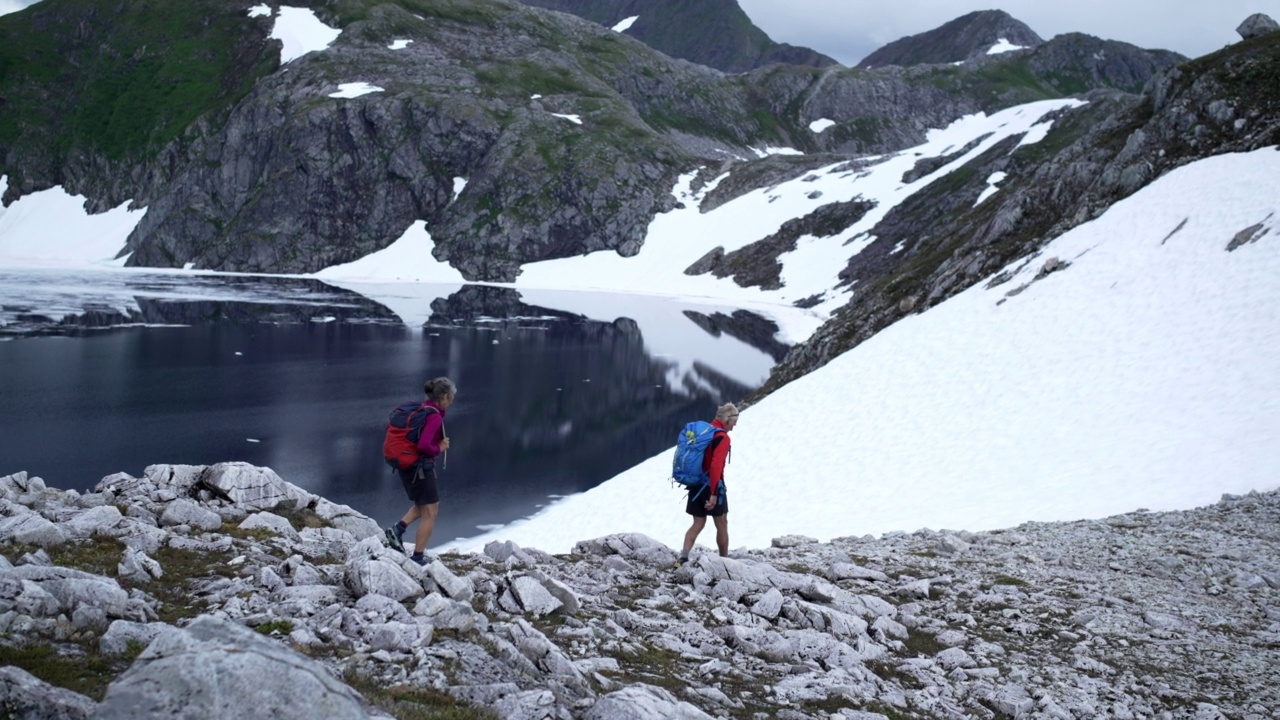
<point x="427" y="443"/>
<point x="719" y="453"/>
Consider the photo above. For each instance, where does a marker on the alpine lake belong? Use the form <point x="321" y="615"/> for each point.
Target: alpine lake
<point x="114" y="370"/>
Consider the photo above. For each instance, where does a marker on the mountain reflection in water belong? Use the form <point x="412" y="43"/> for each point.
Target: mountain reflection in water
<point x="299" y="375"/>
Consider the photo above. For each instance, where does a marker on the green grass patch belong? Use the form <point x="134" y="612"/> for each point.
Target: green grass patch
<point x="922" y="643"/>
<point x="129" y="80"/>
<point x="1006" y="580"/>
<point x="652" y="665"/>
<point x="84" y="671"/>
<point x="281" y="626"/>
<point x="525" y="77"/>
<point x="180" y="568"/>
<point x="893" y="674"/>
<point x="97" y="555"/>
<point x="467" y="12"/>
<point x="890" y="712"/>
<point x="254" y="534"/>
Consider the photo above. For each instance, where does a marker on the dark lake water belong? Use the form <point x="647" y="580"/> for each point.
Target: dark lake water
<point x="299" y="375"/>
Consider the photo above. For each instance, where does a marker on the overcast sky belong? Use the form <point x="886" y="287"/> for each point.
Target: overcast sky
<point x="8" y="6"/>
<point x="849" y="30"/>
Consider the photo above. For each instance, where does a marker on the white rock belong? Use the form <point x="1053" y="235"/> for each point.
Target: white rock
<point x="215" y="669"/>
<point x="94" y="521"/>
<point x="533" y="597"/>
<point x="186" y="512"/>
<point x="270" y="521"/>
<point x="769" y="604"/>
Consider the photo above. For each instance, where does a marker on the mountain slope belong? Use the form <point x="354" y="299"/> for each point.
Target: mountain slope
<point x="940" y="242"/>
<point x="715" y="33"/>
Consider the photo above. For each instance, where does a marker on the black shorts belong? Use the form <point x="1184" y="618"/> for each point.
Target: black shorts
<point x="697" y="505"/>
<point x="420" y="485"/>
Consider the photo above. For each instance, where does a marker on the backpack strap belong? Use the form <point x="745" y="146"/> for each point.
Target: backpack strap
<point x="408" y="423"/>
<point x="720" y="435"/>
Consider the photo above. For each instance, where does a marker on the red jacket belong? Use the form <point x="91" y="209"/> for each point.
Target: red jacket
<point x="717" y="455"/>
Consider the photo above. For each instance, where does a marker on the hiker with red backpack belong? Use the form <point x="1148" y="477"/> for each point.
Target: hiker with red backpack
<point x="415" y="438"/>
<point x="699" y="465"/>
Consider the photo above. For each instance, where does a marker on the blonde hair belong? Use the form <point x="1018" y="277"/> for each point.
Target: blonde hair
<point x="726" y="411"/>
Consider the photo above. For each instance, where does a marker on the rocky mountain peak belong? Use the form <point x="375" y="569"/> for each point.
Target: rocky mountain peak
<point x="960" y="39"/>
<point x="715" y="33"/>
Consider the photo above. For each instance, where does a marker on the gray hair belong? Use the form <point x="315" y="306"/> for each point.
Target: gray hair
<point x="726" y="411"/>
<point x="439" y="389"/>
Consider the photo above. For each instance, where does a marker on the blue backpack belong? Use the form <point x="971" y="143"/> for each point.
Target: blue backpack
<point x="691" y="449"/>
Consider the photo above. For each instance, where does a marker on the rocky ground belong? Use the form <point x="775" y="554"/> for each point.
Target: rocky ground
<point x="140" y="599"/>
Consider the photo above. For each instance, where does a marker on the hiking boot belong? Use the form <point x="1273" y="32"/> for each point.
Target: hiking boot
<point x="680" y="562"/>
<point x="420" y="559"/>
<point x="395" y="539"/>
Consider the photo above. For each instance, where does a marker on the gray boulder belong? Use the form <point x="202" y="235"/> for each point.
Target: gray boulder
<point x="74" y="588"/>
<point x="116" y="640"/>
<point x="455" y="587"/>
<point x="532" y="597"/>
<point x="506" y="551"/>
<point x="30" y="528"/>
<point x="137" y="565"/>
<point x="445" y="613"/>
<point x="178" y="479"/>
<point x="30" y="599"/>
<point x="215" y="669"/>
<point x="1256" y="25"/>
<point x="370" y="570"/>
<point x="628" y="545"/>
<point x="252" y="487"/>
<point x="93" y="521"/>
<point x="186" y="512"/>
<point x="23" y="695"/>
<point x="272" y="522"/>
<point x="342" y="517"/>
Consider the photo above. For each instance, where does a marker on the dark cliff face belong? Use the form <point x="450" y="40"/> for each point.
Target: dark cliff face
<point x="962" y="38"/>
<point x="715" y="33"/>
<point x="1074" y="63"/>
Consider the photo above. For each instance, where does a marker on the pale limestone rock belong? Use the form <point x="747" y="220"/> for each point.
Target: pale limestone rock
<point x="214" y="669"/>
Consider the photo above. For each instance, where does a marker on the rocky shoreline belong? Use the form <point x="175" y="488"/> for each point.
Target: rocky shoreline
<point x="150" y="588"/>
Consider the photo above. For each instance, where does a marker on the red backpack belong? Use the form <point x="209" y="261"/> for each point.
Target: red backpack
<point x="400" y="447"/>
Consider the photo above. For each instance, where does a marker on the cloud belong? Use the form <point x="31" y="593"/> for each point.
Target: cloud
<point x="849" y="30"/>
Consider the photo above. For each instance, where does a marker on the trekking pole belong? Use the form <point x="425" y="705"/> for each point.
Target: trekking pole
<point x="444" y="463"/>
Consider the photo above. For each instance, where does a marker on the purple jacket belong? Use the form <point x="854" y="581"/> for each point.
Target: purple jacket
<point x="432" y="431"/>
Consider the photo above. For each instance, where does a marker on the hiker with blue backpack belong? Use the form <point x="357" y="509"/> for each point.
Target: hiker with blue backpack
<point x="701" y="454"/>
<point x="415" y="439"/>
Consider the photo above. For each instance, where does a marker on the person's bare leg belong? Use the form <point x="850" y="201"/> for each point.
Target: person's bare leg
<point x="722" y="534"/>
<point x="410" y="516"/>
<point x="427" y="513"/>
<point x="691" y="535"/>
